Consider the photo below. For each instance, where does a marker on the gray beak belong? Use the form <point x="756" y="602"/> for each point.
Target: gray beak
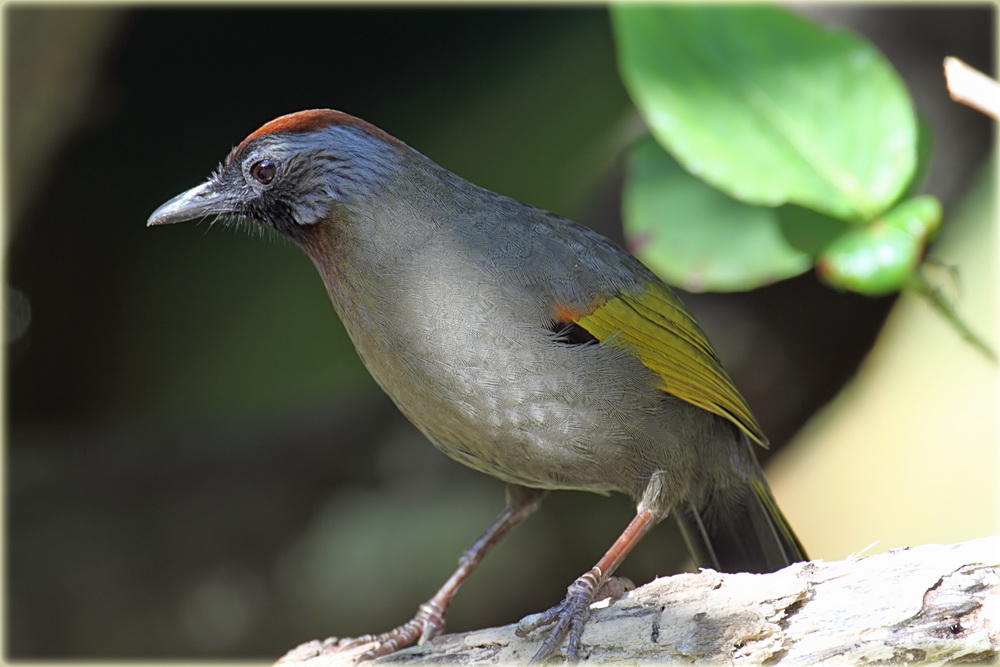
<point x="197" y="202"/>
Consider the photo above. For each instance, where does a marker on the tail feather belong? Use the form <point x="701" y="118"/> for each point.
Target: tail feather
<point x="748" y="534"/>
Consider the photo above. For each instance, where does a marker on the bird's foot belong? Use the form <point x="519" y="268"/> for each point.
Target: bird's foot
<point x="569" y="616"/>
<point x="427" y="624"/>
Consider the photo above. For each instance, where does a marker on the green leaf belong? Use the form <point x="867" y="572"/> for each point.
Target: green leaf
<point x="925" y="146"/>
<point x="919" y="216"/>
<point x="880" y="257"/>
<point x="807" y="230"/>
<point x="696" y="237"/>
<point x="769" y="107"/>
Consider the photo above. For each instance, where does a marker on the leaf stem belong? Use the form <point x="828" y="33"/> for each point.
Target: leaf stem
<point x="919" y="284"/>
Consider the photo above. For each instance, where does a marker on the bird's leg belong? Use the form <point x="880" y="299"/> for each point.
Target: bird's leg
<point x="430" y="618"/>
<point x="570" y="615"/>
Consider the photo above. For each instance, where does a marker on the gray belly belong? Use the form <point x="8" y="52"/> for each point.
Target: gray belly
<point x="527" y="410"/>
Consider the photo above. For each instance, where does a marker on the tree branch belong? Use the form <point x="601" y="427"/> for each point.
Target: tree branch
<point x="971" y="87"/>
<point x="932" y="603"/>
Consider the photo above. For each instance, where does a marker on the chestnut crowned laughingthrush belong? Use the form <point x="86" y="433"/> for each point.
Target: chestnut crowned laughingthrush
<point x="520" y="343"/>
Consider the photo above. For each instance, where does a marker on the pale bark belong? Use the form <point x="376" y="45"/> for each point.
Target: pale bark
<point x="933" y="603"/>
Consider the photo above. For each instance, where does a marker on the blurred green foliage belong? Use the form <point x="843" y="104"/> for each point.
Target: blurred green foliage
<point x="712" y="241"/>
<point x="772" y="109"/>
<point x="878" y="258"/>
<point x="769" y="106"/>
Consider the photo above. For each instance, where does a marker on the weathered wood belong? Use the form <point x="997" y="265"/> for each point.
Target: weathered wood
<point x="926" y="604"/>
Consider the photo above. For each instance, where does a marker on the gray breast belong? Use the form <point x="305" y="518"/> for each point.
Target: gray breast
<point x="480" y="374"/>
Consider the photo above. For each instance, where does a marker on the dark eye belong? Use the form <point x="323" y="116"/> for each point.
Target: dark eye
<point x="263" y="171"/>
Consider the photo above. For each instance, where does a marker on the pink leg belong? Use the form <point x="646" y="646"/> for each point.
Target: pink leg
<point x="568" y="617"/>
<point x="430" y="618"/>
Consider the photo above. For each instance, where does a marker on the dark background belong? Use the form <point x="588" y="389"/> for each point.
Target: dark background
<point x="198" y="464"/>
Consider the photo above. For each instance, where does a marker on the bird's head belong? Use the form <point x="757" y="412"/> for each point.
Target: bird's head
<point x="293" y="173"/>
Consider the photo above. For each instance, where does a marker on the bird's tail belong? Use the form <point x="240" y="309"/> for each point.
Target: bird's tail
<point x="744" y="533"/>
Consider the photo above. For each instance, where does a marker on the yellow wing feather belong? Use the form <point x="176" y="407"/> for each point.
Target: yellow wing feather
<point x="655" y="327"/>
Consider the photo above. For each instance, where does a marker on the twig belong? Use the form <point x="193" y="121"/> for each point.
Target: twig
<point x="971" y="87"/>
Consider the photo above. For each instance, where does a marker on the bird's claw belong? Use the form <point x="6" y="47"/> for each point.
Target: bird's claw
<point x="427" y="624"/>
<point x="569" y="616"/>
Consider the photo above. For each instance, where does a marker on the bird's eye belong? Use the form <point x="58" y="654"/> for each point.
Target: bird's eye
<point x="263" y="171"/>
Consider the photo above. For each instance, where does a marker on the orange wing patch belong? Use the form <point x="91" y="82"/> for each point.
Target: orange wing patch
<point x="564" y="312"/>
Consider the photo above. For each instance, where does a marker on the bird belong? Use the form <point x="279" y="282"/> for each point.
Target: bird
<point x="520" y="343"/>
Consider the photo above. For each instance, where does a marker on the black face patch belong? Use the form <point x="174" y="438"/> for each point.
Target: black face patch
<point x="272" y="211"/>
<point x="571" y="333"/>
<point x="268" y="205"/>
